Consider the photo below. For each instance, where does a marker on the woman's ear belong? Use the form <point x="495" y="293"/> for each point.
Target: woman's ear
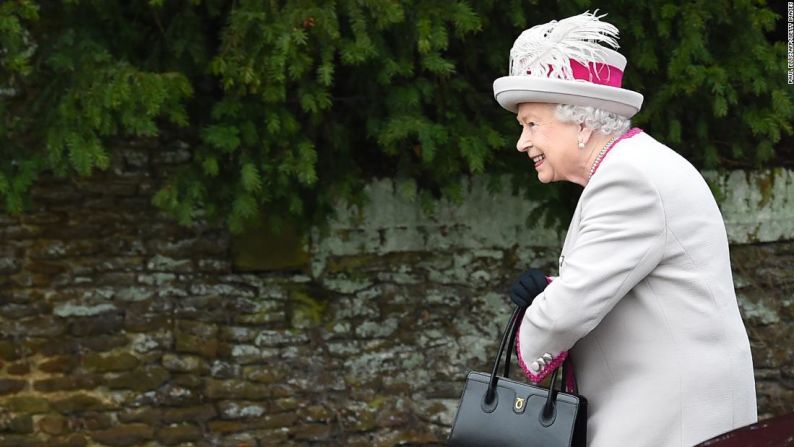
<point x="583" y="135"/>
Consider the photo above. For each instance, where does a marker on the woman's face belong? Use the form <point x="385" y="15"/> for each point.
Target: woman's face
<point x="550" y="144"/>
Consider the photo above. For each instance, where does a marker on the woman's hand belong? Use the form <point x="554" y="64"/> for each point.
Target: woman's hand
<point x="529" y="285"/>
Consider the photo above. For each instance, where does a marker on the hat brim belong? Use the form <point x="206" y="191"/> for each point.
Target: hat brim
<point x="510" y="91"/>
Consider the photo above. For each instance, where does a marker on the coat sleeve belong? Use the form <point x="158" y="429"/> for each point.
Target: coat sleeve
<point x="621" y="239"/>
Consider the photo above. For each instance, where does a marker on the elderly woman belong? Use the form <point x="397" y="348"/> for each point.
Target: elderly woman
<point x="644" y="303"/>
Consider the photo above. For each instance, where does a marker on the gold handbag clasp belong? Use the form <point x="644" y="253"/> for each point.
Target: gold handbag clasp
<point x="518" y="405"/>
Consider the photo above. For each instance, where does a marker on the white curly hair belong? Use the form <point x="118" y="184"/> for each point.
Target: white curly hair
<point x="605" y="122"/>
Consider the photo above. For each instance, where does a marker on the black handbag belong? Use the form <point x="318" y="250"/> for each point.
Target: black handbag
<point x="496" y="411"/>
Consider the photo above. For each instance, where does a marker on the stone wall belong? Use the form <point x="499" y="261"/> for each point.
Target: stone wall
<point x="120" y="328"/>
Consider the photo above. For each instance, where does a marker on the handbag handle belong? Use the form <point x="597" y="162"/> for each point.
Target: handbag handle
<point x="508" y="339"/>
<point x="508" y="332"/>
<point x="511" y="342"/>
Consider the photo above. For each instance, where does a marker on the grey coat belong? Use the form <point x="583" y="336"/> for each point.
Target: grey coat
<point x="645" y="304"/>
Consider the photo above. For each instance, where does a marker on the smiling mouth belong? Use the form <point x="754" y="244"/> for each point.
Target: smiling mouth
<point x="538" y="159"/>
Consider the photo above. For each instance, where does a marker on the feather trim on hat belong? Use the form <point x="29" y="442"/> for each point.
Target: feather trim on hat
<point x="546" y="50"/>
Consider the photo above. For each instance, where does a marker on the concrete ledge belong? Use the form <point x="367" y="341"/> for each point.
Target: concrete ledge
<point x="757" y="207"/>
<point x="392" y="222"/>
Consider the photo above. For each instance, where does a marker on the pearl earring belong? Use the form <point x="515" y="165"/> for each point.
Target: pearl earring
<point x="581" y="144"/>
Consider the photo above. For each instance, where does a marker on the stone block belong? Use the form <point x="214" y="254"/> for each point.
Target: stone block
<point x="29" y="279"/>
<point x="11" y="386"/>
<point x="91" y="420"/>
<point x="184" y="363"/>
<point x="68" y="383"/>
<point x="50" y="189"/>
<point x="146" y="322"/>
<point x="262" y="249"/>
<point x="72" y="440"/>
<point x="106" y="323"/>
<point x="52" y="425"/>
<point x="202" y="308"/>
<point x="267" y="421"/>
<point x="150" y="343"/>
<point x="316" y="413"/>
<point x="178" y="434"/>
<point x="38" y="326"/>
<point x="191" y="381"/>
<point x="197" y="328"/>
<point x="262" y="374"/>
<point x="27" y="404"/>
<point x="67" y="310"/>
<point x="247" y="354"/>
<point x="78" y="403"/>
<point x="115" y="362"/>
<point x="21" y="232"/>
<point x="8" y="350"/>
<point x="240" y="409"/>
<point x="18" y="369"/>
<point x="172" y="394"/>
<point x="14" y="311"/>
<point x="101" y="344"/>
<point x="16" y="423"/>
<point x="147" y="378"/>
<point x="118" y="187"/>
<point x="9" y="264"/>
<point x="130" y="294"/>
<point x="185" y="247"/>
<point x="167" y="264"/>
<point x="158" y="279"/>
<point x="252" y="438"/>
<point x="192" y="344"/>
<point x="147" y="415"/>
<point x="59" y="364"/>
<point x="197" y="413"/>
<point x="262" y="317"/>
<point x="313" y="432"/>
<point x="273" y="338"/>
<point x="46" y="346"/>
<point x="214" y="266"/>
<point x="224" y="370"/>
<point x="282" y="405"/>
<point x="236" y="389"/>
<point x="52" y="268"/>
<point x="14" y="440"/>
<point x="47" y="249"/>
<point x="358" y="417"/>
<point x="281" y="390"/>
<point x="239" y="334"/>
<point x="174" y="156"/>
<point x="124" y="435"/>
<point x="265" y="437"/>
<point x="406" y="437"/>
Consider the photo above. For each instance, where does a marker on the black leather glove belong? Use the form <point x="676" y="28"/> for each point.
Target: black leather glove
<point x="527" y="287"/>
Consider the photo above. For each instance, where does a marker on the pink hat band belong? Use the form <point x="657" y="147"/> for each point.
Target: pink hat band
<point x="597" y="73"/>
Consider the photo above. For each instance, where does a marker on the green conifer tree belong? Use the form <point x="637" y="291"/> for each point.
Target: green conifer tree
<point x="290" y="106"/>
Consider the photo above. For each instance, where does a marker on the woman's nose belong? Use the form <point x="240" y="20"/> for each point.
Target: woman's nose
<point x="523" y="144"/>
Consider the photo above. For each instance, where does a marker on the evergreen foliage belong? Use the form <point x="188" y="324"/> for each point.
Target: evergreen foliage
<point x="288" y="106"/>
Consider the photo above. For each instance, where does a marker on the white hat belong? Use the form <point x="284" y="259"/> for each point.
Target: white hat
<point x="565" y="62"/>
